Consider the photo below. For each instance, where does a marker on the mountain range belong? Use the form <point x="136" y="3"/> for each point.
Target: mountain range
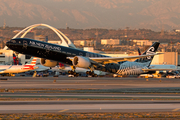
<point x="86" y="14"/>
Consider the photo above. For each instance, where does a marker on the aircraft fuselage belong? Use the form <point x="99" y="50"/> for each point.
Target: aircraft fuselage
<point x="60" y="53"/>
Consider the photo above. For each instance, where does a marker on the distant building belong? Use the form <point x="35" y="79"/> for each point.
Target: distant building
<point x="40" y="37"/>
<point x="143" y="42"/>
<point x="79" y="43"/>
<point x="110" y="42"/>
<point x="45" y="39"/>
<point x="177" y="30"/>
<point x="169" y="58"/>
<point x="91" y="43"/>
<point x="58" y="42"/>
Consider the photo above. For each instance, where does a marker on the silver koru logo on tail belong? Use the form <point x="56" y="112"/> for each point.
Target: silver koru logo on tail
<point x="150" y="51"/>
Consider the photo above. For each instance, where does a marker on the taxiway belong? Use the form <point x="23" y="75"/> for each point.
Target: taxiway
<point x="89" y="95"/>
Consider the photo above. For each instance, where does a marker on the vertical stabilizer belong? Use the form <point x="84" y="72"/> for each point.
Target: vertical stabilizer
<point x="14" y="59"/>
<point x="151" y="50"/>
<point x="32" y="61"/>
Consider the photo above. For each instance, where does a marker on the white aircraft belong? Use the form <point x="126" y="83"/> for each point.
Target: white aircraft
<point x="39" y="67"/>
<point x="160" y="67"/>
<point x="10" y="69"/>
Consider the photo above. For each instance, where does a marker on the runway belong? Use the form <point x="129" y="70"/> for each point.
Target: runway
<point x="90" y="83"/>
<point x="88" y="106"/>
<point x="99" y="96"/>
<point x="63" y="94"/>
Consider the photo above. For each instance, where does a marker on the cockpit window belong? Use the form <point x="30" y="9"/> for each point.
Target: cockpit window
<point x="13" y="41"/>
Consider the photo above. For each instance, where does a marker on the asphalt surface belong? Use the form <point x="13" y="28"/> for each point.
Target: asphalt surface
<point x="88" y="106"/>
<point x="87" y="83"/>
<point x="96" y="88"/>
<point x="90" y="96"/>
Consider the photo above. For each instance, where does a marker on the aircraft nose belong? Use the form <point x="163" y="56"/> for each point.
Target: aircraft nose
<point x="8" y="43"/>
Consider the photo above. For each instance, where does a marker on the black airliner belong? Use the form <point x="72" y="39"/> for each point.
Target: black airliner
<point x="50" y="54"/>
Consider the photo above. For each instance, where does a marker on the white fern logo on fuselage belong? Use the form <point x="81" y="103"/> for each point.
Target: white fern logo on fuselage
<point x="150" y="51"/>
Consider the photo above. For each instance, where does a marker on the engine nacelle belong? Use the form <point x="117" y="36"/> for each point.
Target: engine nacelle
<point x="48" y="63"/>
<point x="82" y="62"/>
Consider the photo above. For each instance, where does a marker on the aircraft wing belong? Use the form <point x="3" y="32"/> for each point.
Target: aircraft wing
<point x="2" y="70"/>
<point x="106" y="60"/>
<point x="146" y="70"/>
<point x="36" y="67"/>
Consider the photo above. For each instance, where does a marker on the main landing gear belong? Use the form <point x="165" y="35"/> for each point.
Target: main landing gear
<point x="91" y="73"/>
<point x="72" y="72"/>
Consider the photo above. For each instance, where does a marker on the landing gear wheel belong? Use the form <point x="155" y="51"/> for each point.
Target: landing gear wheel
<point x="95" y="75"/>
<point x="70" y="72"/>
<point x="77" y="74"/>
<point x="91" y="73"/>
<point x="88" y="72"/>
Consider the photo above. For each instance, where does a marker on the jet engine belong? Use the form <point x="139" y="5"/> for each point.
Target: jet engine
<point x="82" y="62"/>
<point x="48" y="63"/>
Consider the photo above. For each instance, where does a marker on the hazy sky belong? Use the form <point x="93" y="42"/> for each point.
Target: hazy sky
<point x="112" y="14"/>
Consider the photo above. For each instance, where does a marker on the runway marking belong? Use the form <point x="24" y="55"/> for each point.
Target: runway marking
<point x="176" y="109"/>
<point x="63" y="110"/>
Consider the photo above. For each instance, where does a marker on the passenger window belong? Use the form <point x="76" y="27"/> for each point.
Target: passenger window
<point x="87" y="54"/>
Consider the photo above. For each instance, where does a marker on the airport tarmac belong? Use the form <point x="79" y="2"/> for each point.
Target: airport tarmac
<point x="99" y="84"/>
<point x="85" y="94"/>
<point x="88" y="106"/>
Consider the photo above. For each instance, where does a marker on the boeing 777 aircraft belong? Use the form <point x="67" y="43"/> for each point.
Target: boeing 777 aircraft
<point x="10" y="69"/>
<point x="50" y="54"/>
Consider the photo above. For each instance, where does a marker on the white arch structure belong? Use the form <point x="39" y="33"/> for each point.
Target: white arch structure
<point x="65" y="40"/>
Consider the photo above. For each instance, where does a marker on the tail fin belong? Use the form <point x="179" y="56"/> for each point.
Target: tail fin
<point x="61" y="66"/>
<point x="150" y="50"/>
<point x="139" y="51"/>
<point x="14" y="59"/>
<point x="32" y="61"/>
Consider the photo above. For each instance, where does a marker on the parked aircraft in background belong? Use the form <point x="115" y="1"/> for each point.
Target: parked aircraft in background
<point x="39" y="67"/>
<point x="50" y="54"/>
<point x="157" y="68"/>
<point x="16" y="60"/>
<point x="10" y="69"/>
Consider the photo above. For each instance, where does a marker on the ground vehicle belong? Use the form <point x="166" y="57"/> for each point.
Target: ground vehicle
<point x="146" y="76"/>
<point x="173" y="76"/>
